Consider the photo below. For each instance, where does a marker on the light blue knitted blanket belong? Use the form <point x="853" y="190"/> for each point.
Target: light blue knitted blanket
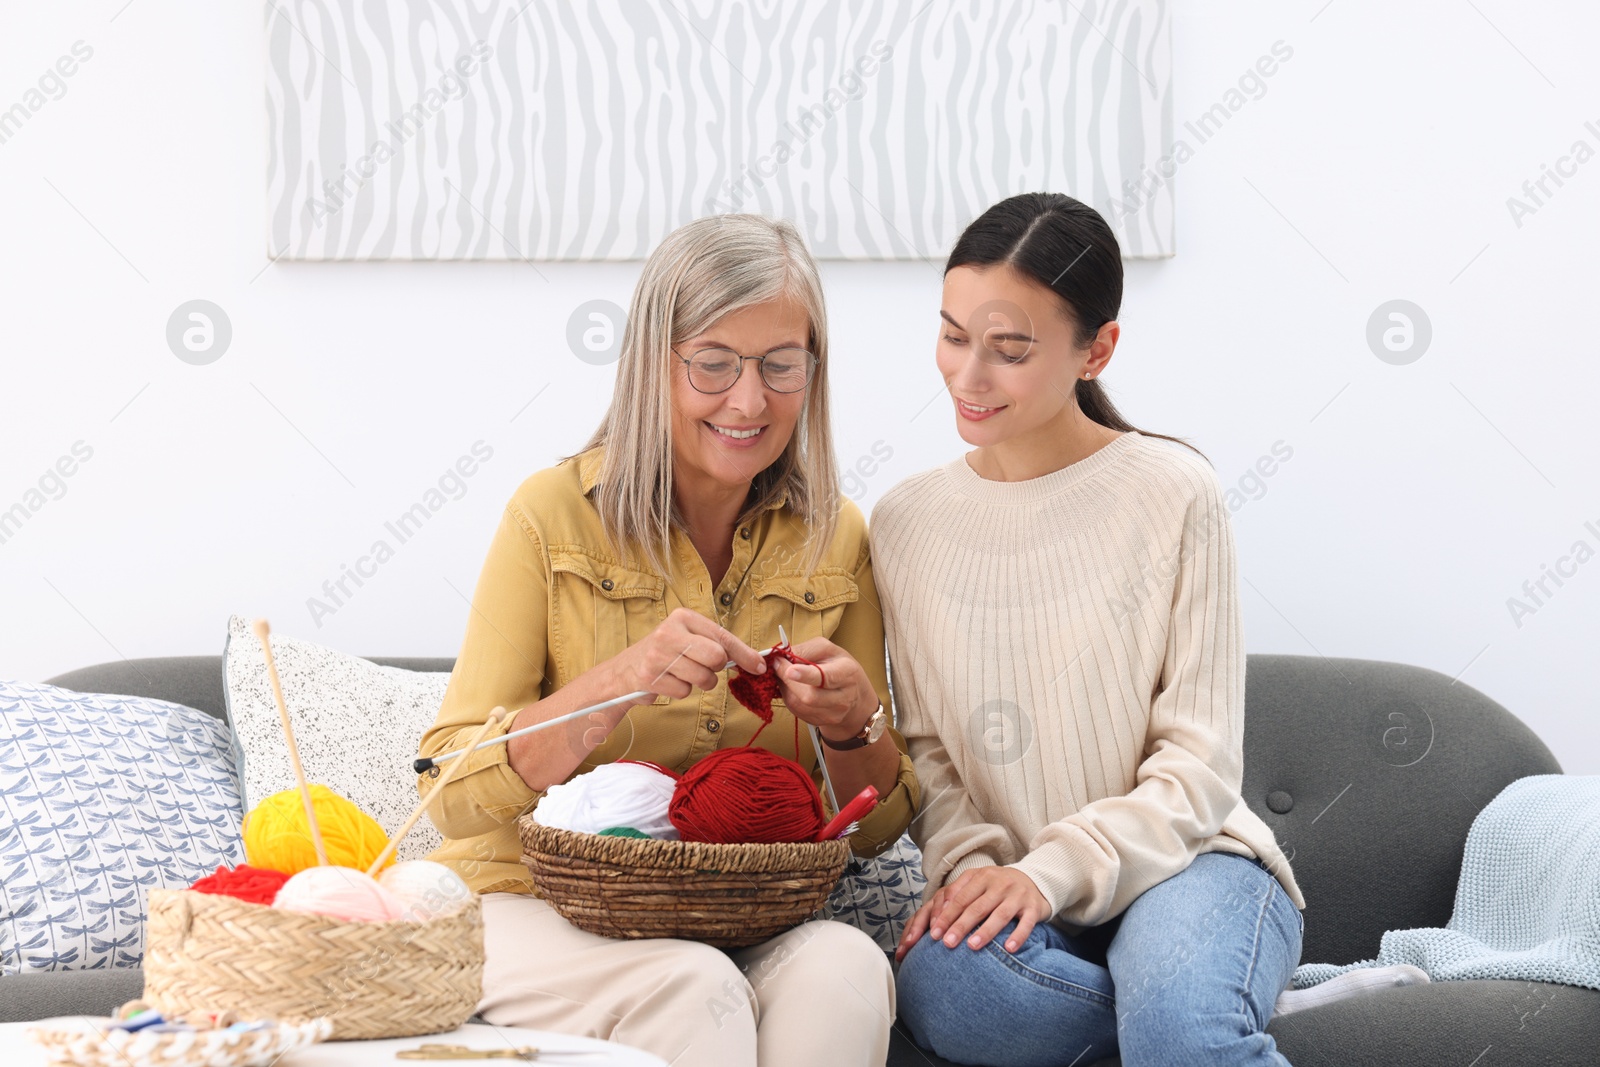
<point x="1528" y="904"/>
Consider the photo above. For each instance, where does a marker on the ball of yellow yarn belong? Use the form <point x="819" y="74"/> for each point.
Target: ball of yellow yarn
<point x="276" y="835"/>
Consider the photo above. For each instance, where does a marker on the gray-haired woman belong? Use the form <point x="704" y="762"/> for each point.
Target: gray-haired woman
<point x="702" y="515"/>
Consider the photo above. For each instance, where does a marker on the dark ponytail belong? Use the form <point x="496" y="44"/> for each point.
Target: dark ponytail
<point x="1065" y="246"/>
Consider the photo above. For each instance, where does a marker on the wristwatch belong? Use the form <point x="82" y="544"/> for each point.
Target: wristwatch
<point x="876" y="724"/>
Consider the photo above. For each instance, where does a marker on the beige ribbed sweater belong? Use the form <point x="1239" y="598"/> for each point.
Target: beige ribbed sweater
<point x="1067" y="666"/>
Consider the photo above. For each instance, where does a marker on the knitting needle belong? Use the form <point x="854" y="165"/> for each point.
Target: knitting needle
<point x="261" y="631"/>
<point x="423" y="764"/>
<point x="816" y="739"/>
<point x="433" y="794"/>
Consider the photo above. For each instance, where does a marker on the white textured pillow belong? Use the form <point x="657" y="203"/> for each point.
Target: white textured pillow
<point x="357" y="726"/>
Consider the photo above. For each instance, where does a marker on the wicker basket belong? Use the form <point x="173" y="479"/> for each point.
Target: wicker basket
<point x="729" y="896"/>
<point x="370" y="979"/>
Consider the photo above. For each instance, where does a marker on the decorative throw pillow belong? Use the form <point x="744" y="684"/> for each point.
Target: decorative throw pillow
<point x="357" y="726"/>
<point x="879" y="895"/>
<point x="101" y="799"/>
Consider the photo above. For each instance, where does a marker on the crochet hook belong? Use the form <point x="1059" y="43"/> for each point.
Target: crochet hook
<point x="423" y="764"/>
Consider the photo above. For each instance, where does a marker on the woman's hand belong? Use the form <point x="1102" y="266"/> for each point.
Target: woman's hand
<point x="986" y="898"/>
<point x="687" y="651"/>
<point x="838" y="701"/>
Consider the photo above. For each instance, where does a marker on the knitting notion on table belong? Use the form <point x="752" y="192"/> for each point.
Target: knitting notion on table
<point x="337" y="592"/>
<point x="52" y="485"/>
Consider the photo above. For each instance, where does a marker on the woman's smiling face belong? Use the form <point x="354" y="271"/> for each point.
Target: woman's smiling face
<point x="730" y="437"/>
<point x="1006" y="352"/>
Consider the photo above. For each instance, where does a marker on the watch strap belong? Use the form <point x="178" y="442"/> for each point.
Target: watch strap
<point x="860" y="740"/>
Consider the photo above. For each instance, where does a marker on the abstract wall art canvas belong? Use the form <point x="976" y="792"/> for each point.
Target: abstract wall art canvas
<point x="588" y="129"/>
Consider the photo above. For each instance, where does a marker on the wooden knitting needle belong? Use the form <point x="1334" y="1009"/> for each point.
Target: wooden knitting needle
<point x="423" y="764"/>
<point x="261" y="631"/>
<point x="433" y="794"/>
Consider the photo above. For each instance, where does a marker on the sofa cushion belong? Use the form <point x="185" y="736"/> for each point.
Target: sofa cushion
<point x="25" y="997"/>
<point x="103" y="797"/>
<point x="1481" y="1023"/>
<point x="357" y="726"/>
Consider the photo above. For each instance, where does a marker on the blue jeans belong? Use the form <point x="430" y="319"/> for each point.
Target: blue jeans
<point x="1188" y="974"/>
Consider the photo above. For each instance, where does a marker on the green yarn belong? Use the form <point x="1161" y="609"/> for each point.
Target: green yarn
<point x="624" y="831"/>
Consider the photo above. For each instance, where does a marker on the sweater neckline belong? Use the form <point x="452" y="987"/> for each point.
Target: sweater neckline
<point x="971" y="484"/>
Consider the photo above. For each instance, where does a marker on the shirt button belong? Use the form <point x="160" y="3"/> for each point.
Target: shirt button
<point x="725" y="599"/>
<point x="607" y="584"/>
<point x="811" y="598"/>
<point x="713" y="726"/>
<point x="744" y="532"/>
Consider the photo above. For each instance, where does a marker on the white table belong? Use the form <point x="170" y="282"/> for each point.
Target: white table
<point x="16" y="1050"/>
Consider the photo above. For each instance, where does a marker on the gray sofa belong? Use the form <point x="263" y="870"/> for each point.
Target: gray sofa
<point x="1369" y="773"/>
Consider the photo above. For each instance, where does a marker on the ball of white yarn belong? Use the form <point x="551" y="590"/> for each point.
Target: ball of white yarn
<point x="427" y="890"/>
<point x="613" y="794"/>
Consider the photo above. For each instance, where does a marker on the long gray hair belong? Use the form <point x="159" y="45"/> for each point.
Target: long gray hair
<point x="696" y="275"/>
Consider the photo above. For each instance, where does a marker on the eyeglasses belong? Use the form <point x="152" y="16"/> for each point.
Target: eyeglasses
<point x="784" y="370"/>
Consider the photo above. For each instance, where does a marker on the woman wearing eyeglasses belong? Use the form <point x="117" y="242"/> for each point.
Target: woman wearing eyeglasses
<point x="702" y="515"/>
<point x="1063" y="621"/>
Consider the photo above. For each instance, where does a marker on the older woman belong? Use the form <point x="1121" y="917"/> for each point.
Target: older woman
<point x="702" y="515"/>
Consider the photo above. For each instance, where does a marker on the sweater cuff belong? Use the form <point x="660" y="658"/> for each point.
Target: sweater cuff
<point x="1062" y="873"/>
<point x="970" y="862"/>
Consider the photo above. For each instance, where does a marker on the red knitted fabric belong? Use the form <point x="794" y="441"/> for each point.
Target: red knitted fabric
<point x="746" y="795"/>
<point x="254" y="884"/>
<point x="756" y="691"/>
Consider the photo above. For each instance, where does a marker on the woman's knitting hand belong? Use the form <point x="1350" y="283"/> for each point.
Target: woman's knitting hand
<point x="835" y="696"/>
<point x="985" y="898"/>
<point x="687" y="651"/>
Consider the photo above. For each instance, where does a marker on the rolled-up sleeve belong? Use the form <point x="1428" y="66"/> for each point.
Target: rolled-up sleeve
<point x="502" y="663"/>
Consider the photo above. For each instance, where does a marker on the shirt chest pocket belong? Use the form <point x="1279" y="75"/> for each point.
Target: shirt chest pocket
<point x="599" y="607"/>
<point x="806" y="606"/>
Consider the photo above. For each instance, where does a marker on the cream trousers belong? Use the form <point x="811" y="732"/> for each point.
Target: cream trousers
<point x="822" y="993"/>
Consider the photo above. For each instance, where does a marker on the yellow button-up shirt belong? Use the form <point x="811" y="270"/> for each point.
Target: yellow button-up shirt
<point x="554" y="599"/>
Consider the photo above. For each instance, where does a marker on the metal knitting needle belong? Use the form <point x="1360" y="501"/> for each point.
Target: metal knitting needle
<point x="816" y="740"/>
<point x="423" y="764"/>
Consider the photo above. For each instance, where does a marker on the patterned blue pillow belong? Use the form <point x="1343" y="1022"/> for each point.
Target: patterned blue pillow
<point x="101" y="799"/>
<point x="879" y="895"/>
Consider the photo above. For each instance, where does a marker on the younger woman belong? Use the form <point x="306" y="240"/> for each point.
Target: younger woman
<point x="1063" y="621"/>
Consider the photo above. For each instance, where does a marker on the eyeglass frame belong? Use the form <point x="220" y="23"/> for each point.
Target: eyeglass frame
<point x="811" y="369"/>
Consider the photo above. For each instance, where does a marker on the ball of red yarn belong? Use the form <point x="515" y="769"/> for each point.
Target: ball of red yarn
<point x="746" y="795"/>
<point x="254" y="884"/>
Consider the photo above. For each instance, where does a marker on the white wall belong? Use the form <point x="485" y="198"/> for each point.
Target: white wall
<point x="1376" y="165"/>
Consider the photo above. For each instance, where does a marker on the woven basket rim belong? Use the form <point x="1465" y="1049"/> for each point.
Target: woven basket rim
<point x="305" y="920"/>
<point x="753" y="858"/>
